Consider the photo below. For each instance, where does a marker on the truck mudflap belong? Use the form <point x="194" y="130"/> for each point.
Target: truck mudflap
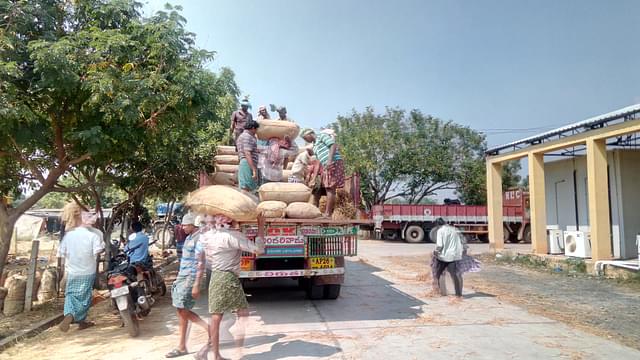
<point x="291" y="273"/>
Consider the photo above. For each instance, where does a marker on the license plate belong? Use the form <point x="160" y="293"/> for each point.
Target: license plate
<point x="246" y="265"/>
<point x="120" y="291"/>
<point x="323" y="263"/>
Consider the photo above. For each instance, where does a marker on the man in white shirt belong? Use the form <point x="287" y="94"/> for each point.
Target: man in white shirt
<point x="449" y="250"/>
<point x="80" y="248"/>
<point x="300" y="164"/>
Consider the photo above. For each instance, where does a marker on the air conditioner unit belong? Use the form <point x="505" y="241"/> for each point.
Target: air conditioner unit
<point x="555" y="240"/>
<point x="577" y="244"/>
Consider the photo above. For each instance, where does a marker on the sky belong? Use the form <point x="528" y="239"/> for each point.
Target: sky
<point x="508" y="68"/>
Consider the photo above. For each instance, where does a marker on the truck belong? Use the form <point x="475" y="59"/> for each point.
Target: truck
<point x="312" y="251"/>
<point x="416" y="223"/>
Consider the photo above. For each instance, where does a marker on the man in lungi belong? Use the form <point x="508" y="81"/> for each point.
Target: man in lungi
<point x="182" y="287"/>
<point x="326" y="150"/>
<point x="248" y="175"/>
<point x="80" y="248"/>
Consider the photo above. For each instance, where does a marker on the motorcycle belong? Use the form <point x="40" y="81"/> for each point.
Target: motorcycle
<point x="133" y="287"/>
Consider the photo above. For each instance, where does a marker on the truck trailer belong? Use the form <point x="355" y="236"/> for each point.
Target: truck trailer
<point x="414" y="223"/>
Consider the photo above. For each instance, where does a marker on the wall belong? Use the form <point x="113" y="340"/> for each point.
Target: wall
<point x="624" y="173"/>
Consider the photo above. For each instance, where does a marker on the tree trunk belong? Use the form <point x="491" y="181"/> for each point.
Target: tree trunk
<point x="7" y="223"/>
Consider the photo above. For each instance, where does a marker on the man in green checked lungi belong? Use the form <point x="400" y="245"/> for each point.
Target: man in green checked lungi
<point x="80" y="248"/>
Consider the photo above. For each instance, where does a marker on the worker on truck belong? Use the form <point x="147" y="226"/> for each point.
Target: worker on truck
<point x="326" y="150"/>
<point x="248" y="175"/>
<point x="239" y="119"/>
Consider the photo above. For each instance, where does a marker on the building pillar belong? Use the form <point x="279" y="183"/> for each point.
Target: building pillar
<point x="494" y="206"/>
<point x="537" y="205"/>
<point x="598" y="193"/>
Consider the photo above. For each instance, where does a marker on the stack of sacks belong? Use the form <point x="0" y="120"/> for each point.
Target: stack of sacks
<point x="290" y="199"/>
<point x="226" y="162"/>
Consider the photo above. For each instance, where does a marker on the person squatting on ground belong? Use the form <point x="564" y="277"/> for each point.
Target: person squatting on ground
<point x="80" y="248"/>
<point x="181" y="291"/>
<point x="222" y="252"/>
<point x="450" y="248"/>
<point x="248" y="176"/>
<point x="326" y="150"/>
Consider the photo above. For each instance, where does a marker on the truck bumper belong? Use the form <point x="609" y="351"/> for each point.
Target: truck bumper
<point x="338" y="271"/>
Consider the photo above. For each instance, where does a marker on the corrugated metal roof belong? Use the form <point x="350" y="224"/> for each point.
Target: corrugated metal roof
<point x="585" y="125"/>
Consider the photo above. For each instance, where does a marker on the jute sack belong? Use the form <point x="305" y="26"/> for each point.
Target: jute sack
<point x="226" y="159"/>
<point x="71" y="215"/>
<point x="287" y="192"/>
<point x="226" y="168"/>
<point x="272" y="209"/>
<point x="223" y="200"/>
<point x="36" y="285"/>
<point x="285" y="175"/>
<point x="221" y="178"/>
<point x="3" y="295"/>
<point x="277" y="129"/>
<point x="48" y="283"/>
<point x="302" y="210"/>
<point x="226" y="150"/>
<point x="16" y="288"/>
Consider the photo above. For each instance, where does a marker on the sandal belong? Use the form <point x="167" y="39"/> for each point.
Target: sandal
<point x="176" y="353"/>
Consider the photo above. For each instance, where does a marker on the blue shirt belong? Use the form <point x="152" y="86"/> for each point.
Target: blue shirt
<point x="141" y="253"/>
<point x="189" y="263"/>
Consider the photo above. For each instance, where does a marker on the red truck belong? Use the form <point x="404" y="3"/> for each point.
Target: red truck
<point x="414" y="223"/>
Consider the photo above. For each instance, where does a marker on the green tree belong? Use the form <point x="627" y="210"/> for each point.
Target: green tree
<point x="88" y="86"/>
<point x="408" y="155"/>
<point x="511" y="174"/>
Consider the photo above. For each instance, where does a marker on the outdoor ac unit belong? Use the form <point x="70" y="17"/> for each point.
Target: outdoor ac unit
<point x="577" y="244"/>
<point x="556" y="241"/>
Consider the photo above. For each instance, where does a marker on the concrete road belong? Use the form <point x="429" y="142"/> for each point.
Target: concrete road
<point x="384" y="312"/>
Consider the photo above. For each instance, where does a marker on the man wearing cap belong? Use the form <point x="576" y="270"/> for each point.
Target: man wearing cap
<point x="239" y="119"/>
<point x="247" y="145"/>
<point x="263" y="114"/>
<point x="182" y="287"/>
<point x="326" y="151"/>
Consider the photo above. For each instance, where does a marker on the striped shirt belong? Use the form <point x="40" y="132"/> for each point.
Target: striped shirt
<point x="322" y="146"/>
<point x="248" y="142"/>
<point x="189" y="263"/>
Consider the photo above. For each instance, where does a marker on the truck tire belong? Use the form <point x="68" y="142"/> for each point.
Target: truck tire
<point x="332" y="291"/>
<point x="414" y="234"/>
<point x="391" y="235"/>
<point x="315" y="292"/>
<point x="433" y="234"/>
<point x="526" y="235"/>
<point x="165" y="238"/>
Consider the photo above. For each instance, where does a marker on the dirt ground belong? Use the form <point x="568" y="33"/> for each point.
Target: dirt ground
<point x="602" y="307"/>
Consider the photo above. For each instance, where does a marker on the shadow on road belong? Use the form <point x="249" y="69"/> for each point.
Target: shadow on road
<point x="294" y="348"/>
<point x="364" y="296"/>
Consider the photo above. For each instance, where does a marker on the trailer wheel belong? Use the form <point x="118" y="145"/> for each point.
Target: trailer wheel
<point x="414" y="234"/>
<point x="332" y="291"/>
<point x="526" y="236"/>
<point x="391" y="235"/>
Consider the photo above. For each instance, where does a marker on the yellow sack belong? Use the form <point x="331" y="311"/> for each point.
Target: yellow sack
<point x="226" y="159"/>
<point x="225" y="168"/>
<point x="302" y="210"/>
<point x="221" y="178"/>
<point x="272" y="209"/>
<point x="223" y="200"/>
<point x="277" y="129"/>
<point x="286" y="192"/>
<point x="226" y="150"/>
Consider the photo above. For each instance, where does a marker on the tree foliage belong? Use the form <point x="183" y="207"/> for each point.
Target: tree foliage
<point x="90" y="89"/>
<point x="407" y="155"/>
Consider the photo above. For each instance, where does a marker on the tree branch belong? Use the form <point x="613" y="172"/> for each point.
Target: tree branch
<point x="25" y="161"/>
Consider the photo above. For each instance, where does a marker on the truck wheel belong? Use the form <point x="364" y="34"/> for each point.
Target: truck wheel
<point x="165" y="238"/>
<point x="433" y="234"/>
<point x="315" y="292"/>
<point x="526" y="236"/>
<point x="331" y="292"/>
<point x="391" y="235"/>
<point x="414" y="234"/>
